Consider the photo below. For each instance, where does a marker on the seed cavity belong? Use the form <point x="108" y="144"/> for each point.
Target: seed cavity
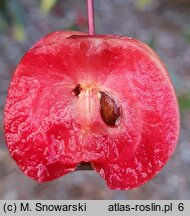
<point x="77" y="90"/>
<point x="109" y="109"/>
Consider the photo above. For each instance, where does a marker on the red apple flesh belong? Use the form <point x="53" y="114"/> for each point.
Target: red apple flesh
<point x="103" y="99"/>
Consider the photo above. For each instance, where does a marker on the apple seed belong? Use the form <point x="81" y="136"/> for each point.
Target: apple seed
<point x="110" y="111"/>
<point x="77" y="90"/>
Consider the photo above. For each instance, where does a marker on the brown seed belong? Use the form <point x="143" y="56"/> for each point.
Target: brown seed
<point x="110" y="110"/>
<point x="77" y="90"/>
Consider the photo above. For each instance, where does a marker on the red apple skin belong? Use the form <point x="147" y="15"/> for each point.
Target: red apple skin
<point x="49" y="130"/>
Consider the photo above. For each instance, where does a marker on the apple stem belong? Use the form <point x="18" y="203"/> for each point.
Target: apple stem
<point x="90" y="11"/>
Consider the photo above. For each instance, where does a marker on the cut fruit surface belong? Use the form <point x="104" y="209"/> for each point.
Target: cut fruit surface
<point x="103" y="99"/>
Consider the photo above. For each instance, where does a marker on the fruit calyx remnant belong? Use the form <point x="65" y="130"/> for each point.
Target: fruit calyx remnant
<point x="109" y="109"/>
<point x="77" y="90"/>
<point x="84" y="166"/>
